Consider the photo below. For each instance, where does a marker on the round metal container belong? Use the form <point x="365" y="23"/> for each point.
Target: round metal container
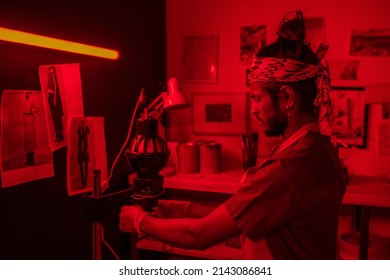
<point x="188" y="157"/>
<point x="210" y="158"/>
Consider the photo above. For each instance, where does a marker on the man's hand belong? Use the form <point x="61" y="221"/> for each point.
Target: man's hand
<point x="131" y="218"/>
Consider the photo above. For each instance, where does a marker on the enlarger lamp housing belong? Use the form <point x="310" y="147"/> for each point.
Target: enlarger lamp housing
<point x="148" y="152"/>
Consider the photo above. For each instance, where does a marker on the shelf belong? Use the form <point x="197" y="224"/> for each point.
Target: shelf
<point x="227" y="182"/>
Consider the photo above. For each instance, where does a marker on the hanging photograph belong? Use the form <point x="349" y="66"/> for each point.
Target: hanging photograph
<point x="349" y="117"/>
<point x="384" y="139"/>
<point x="252" y="39"/>
<point x="200" y="59"/>
<point x="25" y="149"/>
<point x="86" y="153"/>
<point x="370" y="42"/>
<point x="343" y="69"/>
<point x="219" y="113"/>
<point x="62" y="96"/>
<point x="315" y="32"/>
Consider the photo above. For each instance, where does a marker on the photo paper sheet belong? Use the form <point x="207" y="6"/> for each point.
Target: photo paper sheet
<point x="86" y="153"/>
<point x="25" y="148"/>
<point x="315" y="32"/>
<point x="62" y="98"/>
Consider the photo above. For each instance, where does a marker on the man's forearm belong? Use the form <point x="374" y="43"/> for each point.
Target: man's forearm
<point x="190" y="233"/>
<point x="181" y="233"/>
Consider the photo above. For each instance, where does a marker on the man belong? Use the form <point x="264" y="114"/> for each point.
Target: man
<point x="292" y="199"/>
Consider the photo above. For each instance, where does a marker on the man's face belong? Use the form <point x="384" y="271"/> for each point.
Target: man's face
<point x="268" y="114"/>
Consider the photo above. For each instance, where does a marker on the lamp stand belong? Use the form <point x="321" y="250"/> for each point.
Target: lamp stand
<point x="97" y="226"/>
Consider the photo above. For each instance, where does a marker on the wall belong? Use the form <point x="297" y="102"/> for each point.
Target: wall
<point x="225" y="17"/>
<point x="37" y="219"/>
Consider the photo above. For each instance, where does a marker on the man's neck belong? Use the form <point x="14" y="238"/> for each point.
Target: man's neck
<point x="296" y="123"/>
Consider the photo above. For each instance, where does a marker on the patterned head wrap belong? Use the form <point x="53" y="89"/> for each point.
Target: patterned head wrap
<point x="283" y="70"/>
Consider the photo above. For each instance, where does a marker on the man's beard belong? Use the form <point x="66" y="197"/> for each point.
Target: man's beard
<point x="276" y="125"/>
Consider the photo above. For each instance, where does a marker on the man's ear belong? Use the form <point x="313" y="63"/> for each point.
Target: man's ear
<point x="288" y="96"/>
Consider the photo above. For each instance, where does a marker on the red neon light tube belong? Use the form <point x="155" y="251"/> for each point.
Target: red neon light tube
<point x="21" y="37"/>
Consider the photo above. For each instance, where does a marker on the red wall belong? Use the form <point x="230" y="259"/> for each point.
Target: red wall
<point x="225" y="17"/>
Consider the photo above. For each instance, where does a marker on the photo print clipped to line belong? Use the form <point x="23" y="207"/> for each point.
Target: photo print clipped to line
<point x="252" y="39"/>
<point x="86" y="153"/>
<point x="62" y="98"/>
<point x="25" y="149"/>
<point x="315" y="32"/>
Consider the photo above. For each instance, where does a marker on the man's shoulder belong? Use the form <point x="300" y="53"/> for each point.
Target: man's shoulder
<point x="312" y="142"/>
<point x="311" y="151"/>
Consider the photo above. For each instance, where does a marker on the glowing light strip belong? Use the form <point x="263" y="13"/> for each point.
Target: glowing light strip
<point x="56" y="44"/>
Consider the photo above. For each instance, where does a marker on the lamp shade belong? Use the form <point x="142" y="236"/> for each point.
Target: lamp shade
<point x="175" y="99"/>
<point x="148" y="152"/>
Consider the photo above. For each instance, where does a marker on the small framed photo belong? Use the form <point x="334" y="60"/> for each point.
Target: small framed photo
<point x="349" y="116"/>
<point x="384" y="139"/>
<point x="386" y="111"/>
<point x="200" y="59"/>
<point x="220" y="113"/>
<point x="344" y="69"/>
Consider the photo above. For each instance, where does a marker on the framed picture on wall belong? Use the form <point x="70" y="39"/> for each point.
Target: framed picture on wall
<point x="219" y="113"/>
<point x="370" y="42"/>
<point x="200" y="59"/>
<point x="349" y="116"/>
<point x="384" y="139"/>
<point x="343" y="69"/>
<point x="386" y="111"/>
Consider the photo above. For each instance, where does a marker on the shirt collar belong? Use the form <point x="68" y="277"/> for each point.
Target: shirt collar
<point x="313" y="126"/>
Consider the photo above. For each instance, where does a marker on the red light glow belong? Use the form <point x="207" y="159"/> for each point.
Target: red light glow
<point x="21" y="37"/>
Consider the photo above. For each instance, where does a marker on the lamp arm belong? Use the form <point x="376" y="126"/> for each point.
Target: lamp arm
<point x="157" y="103"/>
